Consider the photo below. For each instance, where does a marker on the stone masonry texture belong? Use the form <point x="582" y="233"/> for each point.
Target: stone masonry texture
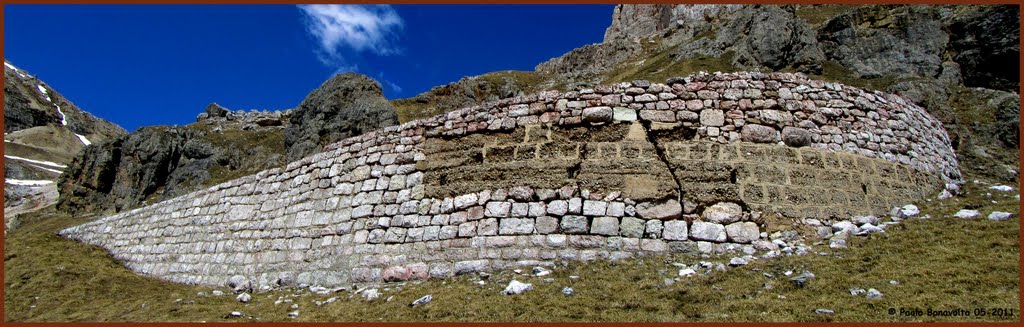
<point x="546" y="177"/>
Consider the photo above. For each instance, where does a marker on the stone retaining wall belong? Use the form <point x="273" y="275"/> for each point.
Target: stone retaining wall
<point x="703" y="163"/>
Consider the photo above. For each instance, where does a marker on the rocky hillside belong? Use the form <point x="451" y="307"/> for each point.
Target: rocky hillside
<point x="43" y="131"/>
<point x="958" y="61"/>
<point x="346" y="105"/>
<point x="161" y="162"/>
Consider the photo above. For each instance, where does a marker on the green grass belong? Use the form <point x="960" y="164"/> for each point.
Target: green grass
<point x="941" y="263"/>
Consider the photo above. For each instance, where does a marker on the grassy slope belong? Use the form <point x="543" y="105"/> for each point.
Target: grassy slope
<point x="940" y="263"/>
<point x="409" y="109"/>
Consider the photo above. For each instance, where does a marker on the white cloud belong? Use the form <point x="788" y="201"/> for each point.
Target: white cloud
<point x="389" y="83"/>
<point x="343" y="29"/>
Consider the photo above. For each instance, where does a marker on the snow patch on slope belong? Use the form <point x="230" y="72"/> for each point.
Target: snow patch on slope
<point x="47" y="163"/>
<point x="27" y="182"/>
<point x="16" y="70"/>
<point x="47" y="169"/>
<point x="83" y="139"/>
<point x="63" y="119"/>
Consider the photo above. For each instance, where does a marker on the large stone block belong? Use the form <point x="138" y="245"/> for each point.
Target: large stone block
<point x="574" y="225"/>
<point x="668" y="209"/>
<point x="712" y="117"/>
<point x="631" y="227"/>
<point x="675" y="230"/>
<point x="605" y="226"/>
<point x="707" y="231"/>
<point x="742" y="232"/>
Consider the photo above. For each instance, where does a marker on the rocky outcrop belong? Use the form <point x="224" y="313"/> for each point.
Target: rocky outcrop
<point x="161" y="162"/>
<point x="158" y="163"/>
<point x="876" y="41"/>
<point x="587" y="63"/>
<point x="42" y="132"/>
<point x="634" y="22"/>
<point x="346" y="105"/>
<point x="221" y="118"/>
<point x="986" y="44"/>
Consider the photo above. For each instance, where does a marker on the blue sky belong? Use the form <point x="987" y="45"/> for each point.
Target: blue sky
<point x="156" y="65"/>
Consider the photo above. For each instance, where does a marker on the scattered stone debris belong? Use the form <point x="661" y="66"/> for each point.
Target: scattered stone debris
<point x="894" y="282"/>
<point x="906" y="211"/>
<point x="371" y="294"/>
<point x="737" y="261"/>
<point x="319" y="290"/>
<point x="201" y="294"/>
<point x="484" y="275"/>
<point x="516" y="287"/>
<point x="837" y="243"/>
<point x="868" y="229"/>
<point x="967" y="214"/>
<point x="217" y="293"/>
<point x="234" y="314"/>
<point x="574" y="277"/>
<point x="481" y="283"/>
<point x="874" y="294"/>
<point x="1001" y="188"/>
<point x="857" y="291"/>
<point x="293" y="314"/>
<point x="244" y="298"/>
<point x="945" y="195"/>
<point x="568" y="291"/>
<point x="802" y="279"/>
<point x="541" y="271"/>
<point x="999" y="215"/>
<point x="421" y="301"/>
<point x="687" y="272"/>
<point x="824" y="311"/>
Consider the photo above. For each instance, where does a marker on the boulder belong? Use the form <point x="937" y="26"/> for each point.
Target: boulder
<point x="215" y="110"/>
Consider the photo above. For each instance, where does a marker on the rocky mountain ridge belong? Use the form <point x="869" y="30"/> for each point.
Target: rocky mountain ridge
<point x="161" y="162"/>
<point x="43" y="131"/>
